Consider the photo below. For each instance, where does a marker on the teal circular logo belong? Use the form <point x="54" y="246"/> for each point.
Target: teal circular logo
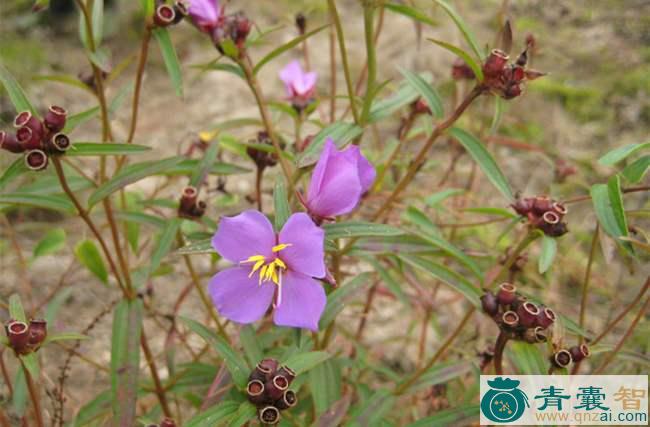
<point x="504" y="402"/>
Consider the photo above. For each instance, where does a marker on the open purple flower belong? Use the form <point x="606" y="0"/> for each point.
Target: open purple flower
<point x="339" y="180"/>
<point x="271" y="268"/>
<point x="206" y="15"/>
<point x="300" y="85"/>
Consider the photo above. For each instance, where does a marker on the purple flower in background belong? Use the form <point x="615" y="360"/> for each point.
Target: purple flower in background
<point x="339" y="180"/>
<point x="300" y="85"/>
<point x="270" y="268"/>
<point x="206" y="14"/>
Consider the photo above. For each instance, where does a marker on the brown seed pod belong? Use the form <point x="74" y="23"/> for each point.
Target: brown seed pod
<point x="36" y="160"/>
<point x="579" y="352"/>
<point x="528" y="313"/>
<point x="561" y="359"/>
<point x="507" y="293"/>
<point x="269" y="415"/>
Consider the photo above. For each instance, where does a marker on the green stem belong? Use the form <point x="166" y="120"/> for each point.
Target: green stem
<point x="344" y="58"/>
<point x="530" y="237"/>
<point x="368" y="22"/>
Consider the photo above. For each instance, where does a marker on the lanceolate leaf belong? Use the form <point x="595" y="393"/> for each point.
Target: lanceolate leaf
<point x="204" y="167"/>
<point x="164" y="244"/>
<point x="635" y="171"/>
<point x="244" y="414"/>
<point x="281" y="203"/>
<point x="200" y="247"/>
<point x="285" y="47"/>
<point x="471" y="62"/>
<point x="410" y="12"/>
<point x="467" y="414"/>
<point x="131" y="174"/>
<point x="325" y="385"/>
<point x="336" y="300"/>
<point x="303" y="362"/>
<point x="169" y="57"/>
<point x="16" y="169"/>
<point x="16" y="93"/>
<point x="441" y="373"/>
<point x="549" y="249"/>
<point x="426" y="91"/>
<point x="463" y="27"/>
<point x="359" y="229"/>
<point x="608" y="204"/>
<point x="16" y="310"/>
<point x="216" y="415"/>
<point x="105" y="149"/>
<point x="52" y="242"/>
<point x="125" y="360"/>
<point x="618" y="154"/>
<point x="88" y="255"/>
<point x="484" y="159"/>
<point x="340" y="132"/>
<point x="56" y="203"/>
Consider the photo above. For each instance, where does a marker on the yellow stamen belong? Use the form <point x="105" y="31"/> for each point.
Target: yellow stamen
<point x="278" y="248"/>
<point x="268" y="271"/>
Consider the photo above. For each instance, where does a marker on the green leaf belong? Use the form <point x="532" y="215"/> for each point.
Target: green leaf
<point x="236" y="365"/>
<point x="52" y="242"/>
<point x="441" y="373"/>
<point x="53" y="307"/>
<point x="205" y="166"/>
<point x="446" y="275"/>
<point x="451" y="250"/>
<point x="105" y="149"/>
<point x="285" y="47"/>
<point x="341" y="230"/>
<point x="99" y="406"/>
<point x="325" y="385"/>
<point x="141" y="218"/>
<point x="164" y="244"/>
<point x="405" y="95"/>
<point x="425" y="90"/>
<point x="549" y="249"/>
<point x="16" y="310"/>
<point x="215" y="415"/>
<point x="281" y="203"/>
<point x="471" y="62"/>
<point x="635" y="171"/>
<point x="528" y="358"/>
<point x="16" y="93"/>
<point x="228" y="68"/>
<point x="608" y="205"/>
<point x="484" y="159"/>
<point x="251" y="344"/>
<point x="436" y="198"/>
<point x="125" y="360"/>
<point x="55" y="203"/>
<point x="188" y="166"/>
<point x="337" y="299"/>
<point x="30" y="362"/>
<point x="66" y="79"/>
<point x="340" y="132"/>
<point x="618" y="154"/>
<point x="304" y="362"/>
<point x="88" y="255"/>
<point x="65" y="336"/>
<point x="244" y="414"/>
<point x="169" y="57"/>
<point x="410" y="12"/>
<point x="462" y="26"/>
<point x="464" y="415"/>
<point x="16" y="169"/>
<point x="200" y="247"/>
<point x="75" y="120"/>
<point x="131" y="174"/>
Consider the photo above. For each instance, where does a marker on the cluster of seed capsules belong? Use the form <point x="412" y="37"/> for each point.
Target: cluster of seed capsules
<point x="37" y="139"/>
<point x="563" y="357"/>
<point x="515" y="315"/>
<point x="268" y="389"/>
<point x="543" y="213"/>
<point x="24" y="337"/>
<point x="166" y="15"/>
<point x="505" y="78"/>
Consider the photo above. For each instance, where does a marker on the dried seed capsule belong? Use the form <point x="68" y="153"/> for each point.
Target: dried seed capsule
<point x="528" y="313"/>
<point x="164" y="15"/>
<point x="301" y="23"/>
<point x="507" y="293"/>
<point x="510" y="319"/>
<point x="561" y="359"/>
<point x="9" y="142"/>
<point x="55" y="118"/>
<point x="287" y="372"/>
<point x="535" y="335"/>
<point x="288" y="400"/>
<point x="489" y="303"/>
<point x="18" y="336"/>
<point x="559" y="209"/>
<point x="255" y="391"/>
<point x="36" y="160"/>
<point x="579" y="352"/>
<point x="28" y="120"/>
<point x="29" y="139"/>
<point x="495" y="63"/>
<point x="267" y="367"/>
<point x="37" y="332"/>
<point x="188" y="198"/>
<point x="269" y="415"/>
<point x="546" y="317"/>
<point x="60" y="142"/>
<point x="181" y="11"/>
<point x="276" y="387"/>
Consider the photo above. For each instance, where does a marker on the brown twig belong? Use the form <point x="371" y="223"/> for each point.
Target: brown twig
<point x="499" y="347"/>
<point x="33" y="395"/>
<point x="159" y="390"/>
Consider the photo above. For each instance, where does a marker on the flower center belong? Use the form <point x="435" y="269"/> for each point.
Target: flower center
<point x="268" y="270"/>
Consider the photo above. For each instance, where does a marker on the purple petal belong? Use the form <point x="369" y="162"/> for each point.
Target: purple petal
<point x="365" y="169"/>
<point x="238" y="297"/>
<point x="306" y="254"/>
<point x="247" y="234"/>
<point x="204" y="13"/>
<point x="291" y="74"/>
<point x="335" y="188"/>
<point x="305" y="84"/>
<point x="302" y="302"/>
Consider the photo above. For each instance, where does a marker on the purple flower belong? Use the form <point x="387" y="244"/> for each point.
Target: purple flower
<point x="300" y="85"/>
<point x="205" y="14"/>
<point x="270" y="268"/>
<point x="339" y="180"/>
